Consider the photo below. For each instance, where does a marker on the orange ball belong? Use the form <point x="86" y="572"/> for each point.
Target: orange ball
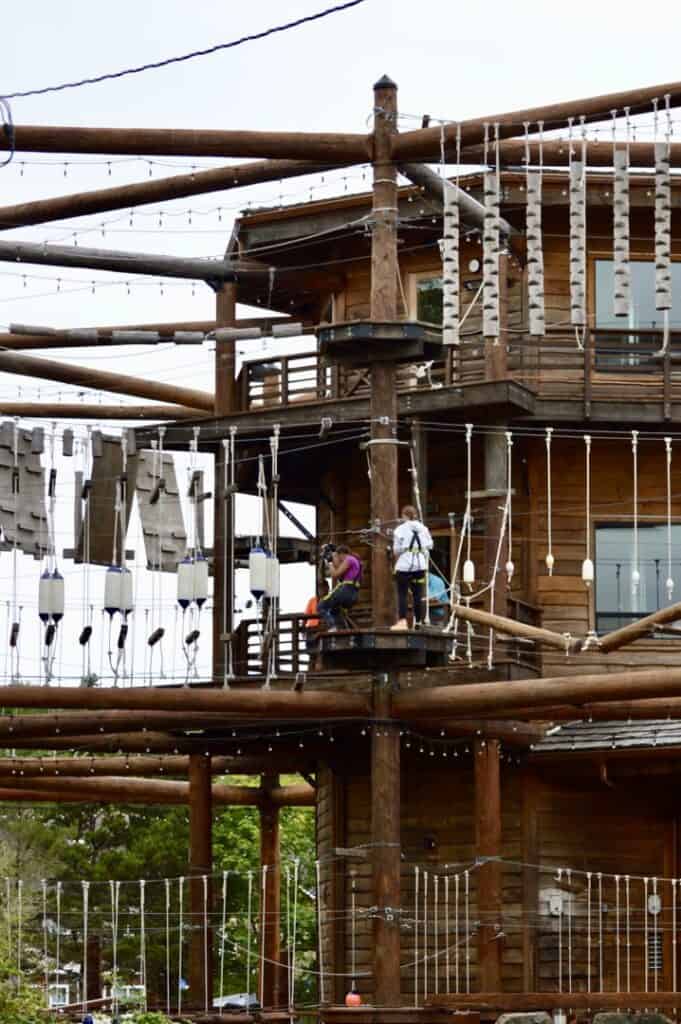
<point x="353" y="999"/>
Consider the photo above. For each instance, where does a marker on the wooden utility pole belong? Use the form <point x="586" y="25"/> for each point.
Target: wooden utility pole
<point x="383" y="405"/>
<point x="270" y="911"/>
<point x="200" y="893"/>
<point x="385" y="837"/>
<point x="223" y="518"/>
<point x="488" y="848"/>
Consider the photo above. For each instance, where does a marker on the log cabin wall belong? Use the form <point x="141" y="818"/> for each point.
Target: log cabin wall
<point x="582" y="824"/>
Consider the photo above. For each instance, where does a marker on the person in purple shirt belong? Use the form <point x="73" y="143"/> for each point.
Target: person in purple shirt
<point x="345" y="569"/>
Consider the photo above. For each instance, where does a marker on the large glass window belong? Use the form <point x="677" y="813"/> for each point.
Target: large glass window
<point x="428" y="299"/>
<point x="635" y="347"/>
<point x="617" y="601"/>
<point x="643" y="313"/>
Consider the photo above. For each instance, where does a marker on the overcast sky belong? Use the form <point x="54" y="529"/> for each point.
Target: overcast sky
<point x="450" y="60"/>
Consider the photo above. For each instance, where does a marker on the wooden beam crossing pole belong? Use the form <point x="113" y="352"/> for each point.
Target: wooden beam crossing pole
<point x="642" y="627"/>
<point x="331" y="147"/>
<point x="261" y="704"/>
<point x="270" y="911"/>
<point x="200" y="882"/>
<point x="520" y="629"/>
<point x="383" y="401"/>
<point x="486" y="755"/>
<point x="104" y="380"/>
<point x="76" y="411"/>
<point x="501" y="698"/>
<point x="160" y="190"/>
<point x="425" y="143"/>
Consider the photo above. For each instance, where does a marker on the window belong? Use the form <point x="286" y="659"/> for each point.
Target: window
<point x="625" y="350"/>
<point x="426" y="298"/>
<point x="616" y="601"/>
<point x="643" y="313"/>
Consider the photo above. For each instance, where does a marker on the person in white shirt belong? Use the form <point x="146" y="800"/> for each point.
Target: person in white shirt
<point x="411" y="544"/>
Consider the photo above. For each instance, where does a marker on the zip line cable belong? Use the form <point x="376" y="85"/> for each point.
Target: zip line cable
<point x="152" y="66"/>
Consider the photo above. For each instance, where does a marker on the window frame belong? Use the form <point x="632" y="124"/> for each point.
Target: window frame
<point x="625" y="523"/>
<point x="412" y="288"/>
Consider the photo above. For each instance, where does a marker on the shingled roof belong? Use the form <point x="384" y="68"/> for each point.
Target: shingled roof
<point x="655" y="732"/>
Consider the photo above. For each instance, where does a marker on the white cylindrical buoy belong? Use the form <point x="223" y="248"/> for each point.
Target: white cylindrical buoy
<point x="669" y="587"/>
<point x="200" y="580"/>
<point x="257" y="572"/>
<point x="635" y="580"/>
<point x="468" y="571"/>
<point x="550" y="562"/>
<point x="510" y="569"/>
<point x="185" y="583"/>
<point x="118" y="590"/>
<point x="51" y="596"/>
<point x="588" y="571"/>
<point x="273" y="576"/>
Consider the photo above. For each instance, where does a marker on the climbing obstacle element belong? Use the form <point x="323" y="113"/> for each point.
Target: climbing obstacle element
<point x="451" y="283"/>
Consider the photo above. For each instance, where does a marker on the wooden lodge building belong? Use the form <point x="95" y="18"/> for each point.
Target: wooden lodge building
<point x="569" y="802"/>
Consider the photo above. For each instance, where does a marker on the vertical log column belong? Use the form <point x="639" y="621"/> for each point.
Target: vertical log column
<point x="496" y="349"/>
<point x="385" y="835"/>
<point x="488" y="845"/>
<point x="93" y="954"/>
<point x="225" y="403"/>
<point x="383" y="405"/>
<point x="200" y="864"/>
<point x="270" y="911"/>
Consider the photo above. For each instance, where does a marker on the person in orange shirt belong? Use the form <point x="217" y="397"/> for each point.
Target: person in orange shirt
<point x="311" y="625"/>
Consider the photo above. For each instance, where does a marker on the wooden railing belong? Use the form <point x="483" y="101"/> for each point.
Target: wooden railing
<point x="603" y="365"/>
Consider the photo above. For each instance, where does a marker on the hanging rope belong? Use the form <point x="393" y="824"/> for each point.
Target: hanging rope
<point x="249" y="929"/>
<point x="223" y="930"/>
<point x="292" y="993"/>
<point x="143" y="943"/>
<point x="587" y="564"/>
<point x="46" y="959"/>
<point x="635" y="574"/>
<point x="114" y="892"/>
<point x="320" y="933"/>
<point x="550" y="560"/>
<point x="180" y="926"/>
<point x="57" y="959"/>
<point x="207" y="994"/>
<point x="416" y="937"/>
<point x="167" y="892"/>
<point x="85" y="896"/>
<point x="669" y="585"/>
<point x="510" y="568"/>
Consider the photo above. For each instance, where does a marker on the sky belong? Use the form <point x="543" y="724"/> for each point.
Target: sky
<point x="452" y="61"/>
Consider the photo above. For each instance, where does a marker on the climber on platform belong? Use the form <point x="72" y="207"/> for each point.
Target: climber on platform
<point x="412" y="543"/>
<point x="345" y="569"/>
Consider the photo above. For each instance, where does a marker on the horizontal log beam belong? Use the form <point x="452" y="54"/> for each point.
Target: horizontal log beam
<point x="500" y="698"/>
<point x="117" y="262"/>
<point x="179" y="186"/>
<point x="513" y="1002"/>
<point x="78" y="339"/>
<point x="165" y="791"/>
<point x="510" y="732"/>
<point x="332" y="147"/>
<point x="635" y="630"/>
<point x="149" y="765"/>
<point x="98" y="723"/>
<point x="260" y="704"/>
<point x="76" y="411"/>
<point x="520" y="629"/>
<point x="556" y="153"/>
<point x="425" y="143"/>
<point x="104" y="380"/>
<point x="617" y="711"/>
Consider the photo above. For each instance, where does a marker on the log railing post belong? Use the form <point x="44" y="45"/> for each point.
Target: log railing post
<point x="200" y="866"/>
<point x="385" y="836"/>
<point x="488" y="850"/>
